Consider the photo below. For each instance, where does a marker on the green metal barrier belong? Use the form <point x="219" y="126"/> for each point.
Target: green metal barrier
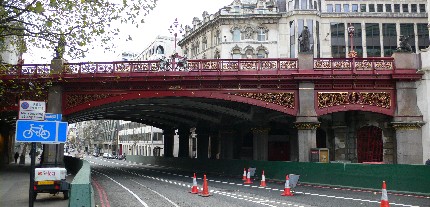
<point x="81" y="190"/>
<point x="399" y="178"/>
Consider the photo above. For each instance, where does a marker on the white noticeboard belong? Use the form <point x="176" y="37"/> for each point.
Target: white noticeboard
<point x="33" y="110"/>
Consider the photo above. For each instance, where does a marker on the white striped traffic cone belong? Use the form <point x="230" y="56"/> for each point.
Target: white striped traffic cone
<point x="287" y="190"/>
<point x="244" y="174"/>
<point x="194" y="189"/>
<point x="384" y="197"/>
<point x="263" y="180"/>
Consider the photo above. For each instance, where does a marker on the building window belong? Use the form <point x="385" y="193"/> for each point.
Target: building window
<point x="204" y="44"/>
<point x="249" y="53"/>
<point x="407" y="30"/>
<point x="373" y="44"/>
<point x="355" y="8"/>
<point x="338" y="47"/>
<point x="261" y="35"/>
<point x="261" y="53"/>
<point x="388" y="8"/>
<point x="362" y="7"/>
<point x="338" y="8"/>
<point x="379" y="8"/>
<point x="371" y="7"/>
<point x="236" y="54"/>
<point x="414" y="8"/>
<point x="217" y="38"/>
<point x="292" y="40"/>
<point x="396" y="7"/>
<point x="346" y="8"/>
<point x="423" y="36"/>
<point x="405" y="8"/>
<point x="358" y="44"/>
<point x="330" y="8"/>
<point x="304" y="4"/>
<point x="236" y="35"/>
<point x="422" y="8"/>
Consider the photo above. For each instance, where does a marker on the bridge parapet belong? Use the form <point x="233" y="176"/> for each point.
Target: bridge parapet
<point x="369" y="68"/>
<point x="355" y="65"/>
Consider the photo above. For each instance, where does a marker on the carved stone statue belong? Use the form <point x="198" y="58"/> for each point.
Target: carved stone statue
<point x="404" y="46"/>
<point x="304" y="40"/>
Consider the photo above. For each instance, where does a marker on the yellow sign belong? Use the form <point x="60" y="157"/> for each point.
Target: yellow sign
<point x="45" y="182"/>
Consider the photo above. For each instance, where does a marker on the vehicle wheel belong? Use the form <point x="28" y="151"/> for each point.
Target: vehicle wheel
<point x="66" y="195"/>
<point x="34" y="196"/>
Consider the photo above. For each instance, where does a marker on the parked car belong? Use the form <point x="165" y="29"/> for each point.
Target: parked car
<point x="119" y="157"/>
<point x="105" y="155"/>
<point x="110" y="156"/>
<point x="95" y="154"/>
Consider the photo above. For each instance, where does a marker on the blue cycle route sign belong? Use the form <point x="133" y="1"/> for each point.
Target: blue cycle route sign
<point x="41" y="131"/>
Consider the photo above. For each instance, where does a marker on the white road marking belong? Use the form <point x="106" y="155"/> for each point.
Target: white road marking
<point x="174" y="204"/>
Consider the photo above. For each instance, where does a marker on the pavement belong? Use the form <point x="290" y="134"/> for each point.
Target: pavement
<point x="14" y="187"/>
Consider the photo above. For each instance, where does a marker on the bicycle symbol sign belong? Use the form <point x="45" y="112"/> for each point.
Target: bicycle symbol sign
<point x="38" y="131"/>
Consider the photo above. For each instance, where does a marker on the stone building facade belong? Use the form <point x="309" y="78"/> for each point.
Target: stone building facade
<point x="271" y="29"/>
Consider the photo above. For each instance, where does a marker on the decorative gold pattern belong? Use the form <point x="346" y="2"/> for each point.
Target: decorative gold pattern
<point x="307" y="125"/>
<point x="282" y="99"/>
<point x="73" y="100"/>
<point x="329" y="99"/>
<point x="358" y="63"/>
<point x="176" y="87"/>
<point x="407" y="126"/>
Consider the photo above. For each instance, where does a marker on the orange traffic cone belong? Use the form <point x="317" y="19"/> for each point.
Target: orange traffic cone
<point x="263" y="180"/>
<point x="205" y="192"/>
<point x="287" y="191"/>
<point x="384" y="197"/>
<point x="244" y="174"/>
<point x="194" y="189"/>
<point x="248" y="178"/>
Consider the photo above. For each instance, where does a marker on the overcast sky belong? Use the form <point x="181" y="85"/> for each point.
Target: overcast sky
<point x="156" y="23"/>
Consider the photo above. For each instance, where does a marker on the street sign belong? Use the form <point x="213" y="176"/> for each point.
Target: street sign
<point x="39" y="106"/>
<point x="53" y="117"/>
<point x="41" y="131"/>
<point x="32" y="115"/>
<point x="34" y="110"/>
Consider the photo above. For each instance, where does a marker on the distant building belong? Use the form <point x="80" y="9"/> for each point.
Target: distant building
<point x="161" y="46"/>
<point x="128" y="56"/>
<point x="140" y="139"/>
<point x="269" y="29"/>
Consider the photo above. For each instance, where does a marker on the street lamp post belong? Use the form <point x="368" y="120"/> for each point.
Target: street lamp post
<point x="176" y="29"/>
<point x="351" y="30"/>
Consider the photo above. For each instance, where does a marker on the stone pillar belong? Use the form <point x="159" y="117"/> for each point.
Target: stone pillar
<point x="306" y="121"/>
<point x="53" y="154"/>
<point x="184" y="135"/>
<point x="260" y="143"/>
<point x="227" y="143"/>
<point x="408" y="118"/>
<point x="408" y="121"/>
<point x="202" y="142"/>
<point x="168" y="142"/>
<point x="423" y="87"/>
<point x="306" y="60"/>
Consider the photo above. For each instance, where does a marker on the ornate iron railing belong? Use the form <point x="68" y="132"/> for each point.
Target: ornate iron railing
<point x="354" y="64"/>
<point x="249" y="66"/>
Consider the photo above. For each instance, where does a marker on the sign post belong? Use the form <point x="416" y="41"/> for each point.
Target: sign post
<point x="34" y="127"/>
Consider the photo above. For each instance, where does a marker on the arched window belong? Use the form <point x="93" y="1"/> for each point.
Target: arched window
<point x="236" y="35"/>
<point x="249" y="53"/>
<point x="236" y="54"/>
<point x="217" y="55"/>
<point x="261" y="53"/>
<point x="160" y="50"/>
<point x="204" y="44"/>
